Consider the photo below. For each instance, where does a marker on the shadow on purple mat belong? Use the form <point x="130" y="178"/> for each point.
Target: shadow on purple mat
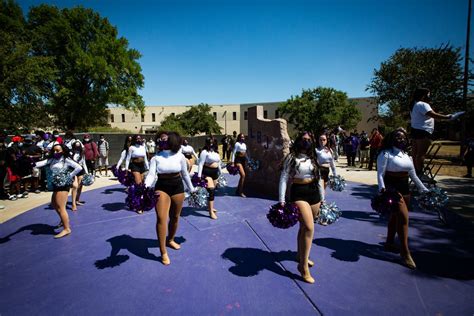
<point x="137" y="246"/>
<point x="250" y="261"/>
<point x="191" y="211"/>
<point x="113" y="190"/>
<point x="36" y="229"/>
<point x="114" y="207"/>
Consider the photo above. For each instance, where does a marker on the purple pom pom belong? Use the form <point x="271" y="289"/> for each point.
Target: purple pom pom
<point x="115" y="170"/>
<point x="233" y="170"/>
<point x="198" y="182"/>
<point x="140" y="198"/>
<point x="384" y="203"/>
<point x="283" y="217"/>
<point x="125" y="178"/>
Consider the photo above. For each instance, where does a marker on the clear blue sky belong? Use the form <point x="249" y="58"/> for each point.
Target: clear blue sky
<point x="227" y="51"/>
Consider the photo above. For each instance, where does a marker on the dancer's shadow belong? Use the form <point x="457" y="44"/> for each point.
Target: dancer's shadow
<point x="250" y="261"/>
<point x="137" y="246"/>
<point x="444" y="265"/>
<point x="364" y="217"/>
<point x="364" y="191"/>
<point x="352" y="250"/>
<point x="227" y="190"/>
<point x="111" y="191"/>
<point x="114" y="207"/>
<point x="36" y="229"/>
<point x="191" y="211"/>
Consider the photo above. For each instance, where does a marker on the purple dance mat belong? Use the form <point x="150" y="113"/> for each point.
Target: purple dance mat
<point x="238" y="264"/>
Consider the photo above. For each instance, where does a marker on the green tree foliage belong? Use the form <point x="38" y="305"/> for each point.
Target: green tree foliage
<point x="318" y="108"/>
<point x="198" y="119"/>
<point x="438" y="69"/>
<point x="86" y="66"/>
<point x="24" y="77"/>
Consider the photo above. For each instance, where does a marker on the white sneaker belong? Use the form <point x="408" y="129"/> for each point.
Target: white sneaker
<point x="12" y="197"/>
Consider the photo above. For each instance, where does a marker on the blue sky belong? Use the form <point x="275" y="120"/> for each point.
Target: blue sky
<point x="221" y="52"/>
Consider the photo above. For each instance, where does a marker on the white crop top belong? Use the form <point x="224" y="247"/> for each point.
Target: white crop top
<point x="324" y="156"/>
<point x="136" y="152"/>
<point x="79" y="158"/>
<point x="208" y="157"/>
<point x="304" y="169"/>
<point x="395" y="160"/>
<point x="167" y="161"/>
<point x="60" y="164"/>
<point x="188" y="150"/>
<point x="238" y="147"/>
<point x="123" y="155"/>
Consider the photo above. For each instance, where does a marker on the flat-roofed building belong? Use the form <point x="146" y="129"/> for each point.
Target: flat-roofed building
<point x="230" y="117"/>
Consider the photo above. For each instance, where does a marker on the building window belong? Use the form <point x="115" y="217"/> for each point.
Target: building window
<point x="245" y="115"/>
<point x="143" y="118"/>
<point x="277" y="114"/>
<point x="153" y="117"/>
<point x="172" y="113"/>
<point x="265" y="114"/>
<point x="234" y="116"/>
<point x="215" y="115"/>
<point x="111" y="118"/>
<point x="123" y="118"/>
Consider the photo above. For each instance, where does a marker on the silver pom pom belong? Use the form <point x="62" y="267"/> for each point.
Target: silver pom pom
<point x="254" y="164"/>
<point x="433" y="200"/>
<point x="221" y="181"/>
<point x="88" y="179"/>
<point x="328" y="214"/>
<point x="337" y="183"/>
<point x="61" y="178"/>
<point x="198" y="199"/>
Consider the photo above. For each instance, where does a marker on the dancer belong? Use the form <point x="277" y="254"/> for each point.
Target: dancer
<point x="59" y="161"/>
<point x="306" y="191"/>
<point x="78" y="156"/>
<point x="168" y="167"/>
<point x="239" y="159"/>
<point x="210" y="169"/>
<point x="189" y="153"/>
<point x="325" y="158"/>
<point x="394" y="166"/>
<point x="137" y="161"/>
<point x="123" y="155"/>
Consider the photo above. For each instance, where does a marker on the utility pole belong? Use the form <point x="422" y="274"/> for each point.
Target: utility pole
<point x="466" y="76"/>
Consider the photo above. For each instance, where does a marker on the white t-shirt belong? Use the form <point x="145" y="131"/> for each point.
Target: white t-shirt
<point x="419" y="119"/>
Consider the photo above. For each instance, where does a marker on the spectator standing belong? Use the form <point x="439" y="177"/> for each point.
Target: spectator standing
<point x="364" y="146"/>
<point x="150" y="148"/>
<point x="225" y="147"/>
<point x="469" y="156"/>
<point x="375" y="143"/>
<point x="103" y="145"/>
<point x="91" y="153"/>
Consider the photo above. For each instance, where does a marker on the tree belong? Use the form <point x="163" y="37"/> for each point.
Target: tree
<point x="318" y="108"/>
<point x="23" y="76"/>
<point x="198" y="119"/>
<point x="438" y="69"/>
<point x="93" y="66"/>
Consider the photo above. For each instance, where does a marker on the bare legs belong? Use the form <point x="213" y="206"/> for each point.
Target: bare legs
<point x="419" y="149"/>
<point x="58" y="201"/>
<point x="211" y="184"/>
<point x="138" y="178"/>
<point x="240" y="187"/>
<point x="398" y="223"/>
<point x="76" y="191"/>
<point x="305" y="237"/>
<point x="168" y="206"/>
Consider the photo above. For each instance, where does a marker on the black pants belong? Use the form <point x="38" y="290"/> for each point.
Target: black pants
<point x="351" y="158"/>
<point x="3" y="174"/>
<point x="373" y="157"/>
<point x="469" y="160"/>
<point x="225" y="152"/>
<point x="90" y="166"/>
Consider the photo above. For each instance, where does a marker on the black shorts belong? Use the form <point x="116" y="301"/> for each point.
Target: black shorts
<point x="170" y="186"/>
<point x="324" y="172"/>
<point x="399" y="184"/>
<point x="81" y="173"/>
<point x="61" y="189"/>
<point x="419" y="134"/>
<point x="305" y="192"/>
<point x="210" y="172"/>
<point x="137" y="167"/>
<point x="241" y="160"/>
<point x="188" y="156"/>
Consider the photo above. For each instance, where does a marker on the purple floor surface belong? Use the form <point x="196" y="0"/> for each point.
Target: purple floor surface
<point x="238" y="264"/>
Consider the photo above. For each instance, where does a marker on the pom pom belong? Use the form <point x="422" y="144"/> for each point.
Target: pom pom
<point x="253" y="164"/>
<point x="140" y="198"/>
<point x="88" y="179"/>
<point x="221" y="181"/>
<point x="125" y="178"/>
<point x="283" y="217"/>
<point x="337" y="183"/>
<point x="198" y="182"/>
<point x="198" y="199"/>
<point x="383" y="203"/>
<point x="115" y="170"/>
<point x="233" y="170"/>
<point x="433" y="200"/>
<point x="328" y="214"/>
<point x="61" y="178"/>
